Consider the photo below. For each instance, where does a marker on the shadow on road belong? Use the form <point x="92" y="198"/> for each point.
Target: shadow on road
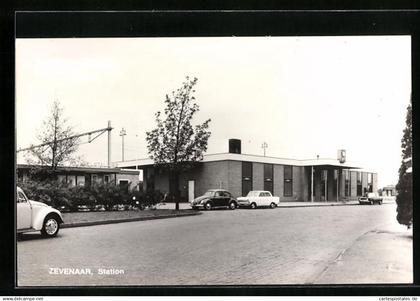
<point x="34" y="236"/>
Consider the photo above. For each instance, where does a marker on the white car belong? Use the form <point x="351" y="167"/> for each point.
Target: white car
<point x="36" y="216"/>
<point x="258" y="198"/>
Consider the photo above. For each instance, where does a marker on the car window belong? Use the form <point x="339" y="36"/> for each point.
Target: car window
<point x="262" y="193"/>
<point x="20" y="197"/>
<point x="218" y="193"/>
<point x="209" y="193"/>
<point x="226" y="194"/>
<point x="252" y="193"/>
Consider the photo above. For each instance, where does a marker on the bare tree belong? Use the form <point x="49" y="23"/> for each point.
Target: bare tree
<point x="175" y="145"/>
<point x="56" y="134"/>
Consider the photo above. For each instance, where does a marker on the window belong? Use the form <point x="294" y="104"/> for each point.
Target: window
<point x="324" y="177"/>
<point x="246" y="177"/>
<point x="346" y="183"/>
<point x="288" y="181"/>
<point x="218" y="194"/>
<point x="106" y="179"/>
<point x="123" y="184"/>
<point x="21" y="197"/>
<point x="268" y="177"/>
<point x="359" y="183"/>
<point x="226" y="194"/>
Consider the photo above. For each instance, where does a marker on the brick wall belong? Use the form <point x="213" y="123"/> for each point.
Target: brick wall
<point x="132" y="179"/>
<point x="235" y="178"/>
<point x="278" y="175"/>
<point x="364" y="181"/>
<point x="375" y="182"/>
<point x="353" y="183"/>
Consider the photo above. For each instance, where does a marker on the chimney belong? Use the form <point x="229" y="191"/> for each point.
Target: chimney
<point x="234" y="146"/>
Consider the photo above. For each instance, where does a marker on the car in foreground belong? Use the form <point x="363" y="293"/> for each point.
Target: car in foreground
<point x="36" y="216"/>
<point x="214" y="198"/>
<point x="371" y="198"/>
<point x="259" y="198"/>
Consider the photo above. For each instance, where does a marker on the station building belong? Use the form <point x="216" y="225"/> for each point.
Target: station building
<point x="317" y="180"/>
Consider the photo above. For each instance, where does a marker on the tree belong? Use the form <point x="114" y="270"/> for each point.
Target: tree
<point x="59" y="146"/>
<point x="405" y="181"/>
<point x="175" y="145"/>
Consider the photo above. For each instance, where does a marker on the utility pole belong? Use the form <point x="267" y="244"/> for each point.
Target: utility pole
<point x="264" y="146"/>
<point x="122" y="134"/>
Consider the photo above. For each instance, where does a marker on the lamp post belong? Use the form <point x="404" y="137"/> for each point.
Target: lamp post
<point x="264" y="146"/>
<point x="122" y="134"/>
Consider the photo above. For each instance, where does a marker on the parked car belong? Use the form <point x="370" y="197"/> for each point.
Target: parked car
<point x="83" y="208"/>
<point x="258" y="198"/>
<point x="371" y="198"/>
<point x="36" y="216"/>
<point x="99" y="208"/>
<point x="214" y="198"/>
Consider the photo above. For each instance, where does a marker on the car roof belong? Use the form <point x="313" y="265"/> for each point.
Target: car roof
<point x="217" y="190"/>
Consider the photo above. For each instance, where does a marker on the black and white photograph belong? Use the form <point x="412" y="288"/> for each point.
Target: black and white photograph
<point x="234" y="160"/>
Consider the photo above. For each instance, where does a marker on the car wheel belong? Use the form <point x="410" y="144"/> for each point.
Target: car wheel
<point x="232" y="206"/>
<point x="371" y="202"/>
<point x="272" y="205"/>
<point x="207" y="206"/>
<point x="253" y="206"/>
<point x="380" y="202"/>
<point x="50" y="227"/>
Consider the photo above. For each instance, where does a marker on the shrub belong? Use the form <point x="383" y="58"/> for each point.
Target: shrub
<point x="57" y="194"/>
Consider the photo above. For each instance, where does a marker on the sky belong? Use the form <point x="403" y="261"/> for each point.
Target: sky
<point x="303" y="96"/>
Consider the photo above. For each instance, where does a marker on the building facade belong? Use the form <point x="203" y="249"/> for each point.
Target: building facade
<point x="319" y="180"/>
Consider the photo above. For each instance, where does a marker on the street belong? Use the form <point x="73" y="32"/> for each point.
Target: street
<point x="221" y="247"/>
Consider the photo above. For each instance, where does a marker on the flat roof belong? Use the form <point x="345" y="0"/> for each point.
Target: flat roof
<point x="87" y="169"/>
<point x="252" y="158"/>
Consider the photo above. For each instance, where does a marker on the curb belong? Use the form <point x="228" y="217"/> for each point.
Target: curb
<point x="327" y="205"/>
<point x="307" y="206"/>
<point x="125" y="220"/>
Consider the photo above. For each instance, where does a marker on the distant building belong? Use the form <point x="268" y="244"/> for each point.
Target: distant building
<point x="389" y="190"/>
<point x="318" y="180"/>
<point x="86" y="176"/>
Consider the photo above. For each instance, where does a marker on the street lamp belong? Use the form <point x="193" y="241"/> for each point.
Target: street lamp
<point x="264" y="146"/>
<point x="122" y="134"/>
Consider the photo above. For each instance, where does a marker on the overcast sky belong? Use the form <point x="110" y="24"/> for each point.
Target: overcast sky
<point x="303" y="96"/>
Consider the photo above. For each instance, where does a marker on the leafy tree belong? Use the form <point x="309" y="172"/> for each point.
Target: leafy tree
<point x="175" y="145"/>
<point x="59" y="146"/>
<point x="405" y="182"/>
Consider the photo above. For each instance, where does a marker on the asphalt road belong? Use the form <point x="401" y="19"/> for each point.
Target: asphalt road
<point x="263" y="246"/>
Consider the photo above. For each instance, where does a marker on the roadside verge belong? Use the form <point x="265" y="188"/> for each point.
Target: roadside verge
<point x="83" y="219"/>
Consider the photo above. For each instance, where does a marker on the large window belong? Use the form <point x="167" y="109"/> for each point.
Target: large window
<point x="268" y="177"/>
<point x="359" y="183"/>
<point x="324" y="177"/>
<point x="246" y="177"/>
<point x="288" y="180"/>
<point x="346" y="182"/>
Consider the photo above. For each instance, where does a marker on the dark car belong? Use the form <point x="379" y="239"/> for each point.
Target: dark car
<point x="214" y="198"/>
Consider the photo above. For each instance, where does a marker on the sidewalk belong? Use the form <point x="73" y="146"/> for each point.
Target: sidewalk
<point x="383" y="255"/>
